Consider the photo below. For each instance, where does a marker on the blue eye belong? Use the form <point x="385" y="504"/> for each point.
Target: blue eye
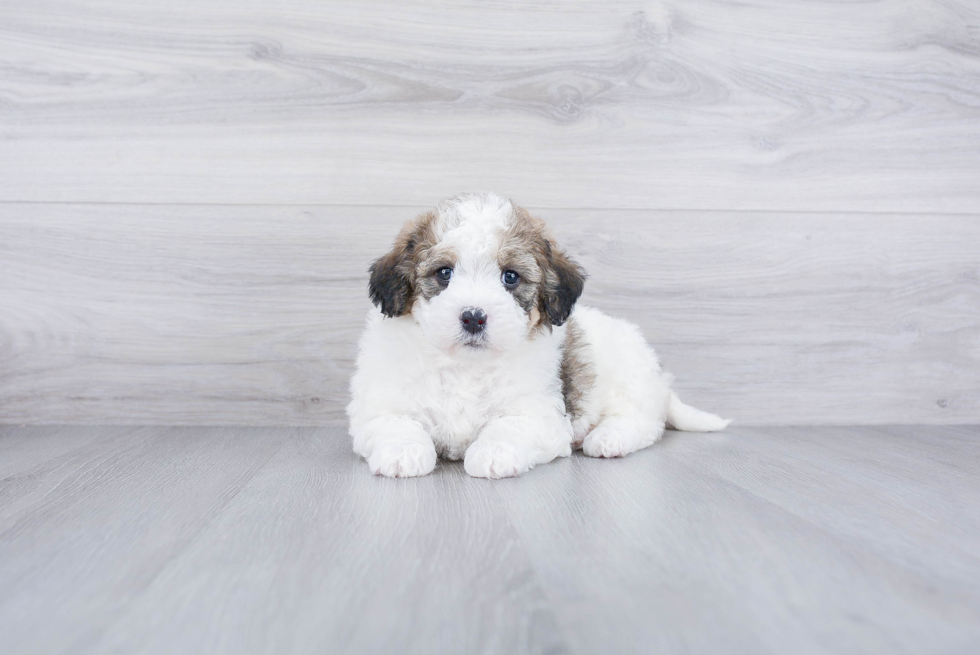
<point x="510" y="279"/>
<point x="444" y="274"/>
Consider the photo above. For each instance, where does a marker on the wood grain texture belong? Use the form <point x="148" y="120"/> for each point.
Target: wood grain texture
<point x="263" y="540"/>
<point x="765" y="104"/>
<point x="23" y="446"/>
<point x="250" y="315"/>
<point x="722" y="531"/>
<point x="320" y="556"/>
<point x="95" y="528"/>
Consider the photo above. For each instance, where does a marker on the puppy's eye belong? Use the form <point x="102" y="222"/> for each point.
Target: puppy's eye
<point x="444" y="274"/>
<point x="510" y="279"/>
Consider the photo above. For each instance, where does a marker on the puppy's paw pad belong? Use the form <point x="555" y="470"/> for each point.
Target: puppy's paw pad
<point x="406" y="460"/>
<point x="608" y="443"/>
<point x="488" y="459"/>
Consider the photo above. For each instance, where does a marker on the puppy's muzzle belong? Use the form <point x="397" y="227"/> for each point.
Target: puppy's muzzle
<point x="473" y="320"/>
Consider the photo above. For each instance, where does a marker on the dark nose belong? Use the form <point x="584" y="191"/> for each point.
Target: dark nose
<point x="473" y="319"/>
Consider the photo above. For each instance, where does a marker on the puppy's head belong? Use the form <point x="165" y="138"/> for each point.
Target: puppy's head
<point x="477" y="273"/>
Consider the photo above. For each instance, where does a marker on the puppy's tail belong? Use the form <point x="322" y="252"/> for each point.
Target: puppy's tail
<point x="687" y="418"/>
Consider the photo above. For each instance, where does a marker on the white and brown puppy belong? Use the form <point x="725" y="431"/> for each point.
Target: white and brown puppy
<point x="475" y="352"/>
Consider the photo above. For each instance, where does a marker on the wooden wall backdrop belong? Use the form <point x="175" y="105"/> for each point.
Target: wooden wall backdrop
<point x="785" y="195"/>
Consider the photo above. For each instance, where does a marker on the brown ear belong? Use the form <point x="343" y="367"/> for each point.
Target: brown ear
<point x="563" y="283"/>
<point x="392" y="285"/>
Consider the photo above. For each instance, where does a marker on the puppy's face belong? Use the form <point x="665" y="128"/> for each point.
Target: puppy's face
<point x="477" y="274"/>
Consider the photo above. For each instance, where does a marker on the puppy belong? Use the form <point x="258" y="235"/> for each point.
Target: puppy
<point x="478" y="352"/>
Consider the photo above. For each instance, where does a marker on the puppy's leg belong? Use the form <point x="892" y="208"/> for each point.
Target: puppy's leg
<point x="626" y="402"/>
<point x="617" y="436"/>
<point x="582" y="426"/>
<point x="511" y="445"/>
<point x="395" y="446"/>
<point x="633" y="417"/>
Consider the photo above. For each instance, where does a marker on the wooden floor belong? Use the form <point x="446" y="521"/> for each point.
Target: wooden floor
<point x="277" y="540"/>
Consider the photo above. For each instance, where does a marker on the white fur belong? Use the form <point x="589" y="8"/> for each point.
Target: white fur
<point x="419" y="388"/>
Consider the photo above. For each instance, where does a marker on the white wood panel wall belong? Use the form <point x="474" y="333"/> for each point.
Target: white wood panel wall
<point x="785" y="195"/>
<point x="706" y="104"/>
<point x="249" y="314"/>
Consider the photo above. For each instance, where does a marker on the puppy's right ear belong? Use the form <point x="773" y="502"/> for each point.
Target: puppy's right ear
<point x="392" y="285"/>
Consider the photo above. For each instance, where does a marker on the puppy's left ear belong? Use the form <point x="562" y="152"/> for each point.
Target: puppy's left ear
<point x="564" y="281"/>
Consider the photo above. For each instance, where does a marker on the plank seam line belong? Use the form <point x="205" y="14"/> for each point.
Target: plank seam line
<point x="408" y="207"/>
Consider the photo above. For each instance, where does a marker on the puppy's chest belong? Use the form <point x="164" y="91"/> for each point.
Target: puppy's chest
<point x="459" y="400"/>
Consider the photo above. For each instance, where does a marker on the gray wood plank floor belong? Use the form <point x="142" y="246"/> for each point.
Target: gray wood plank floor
<point x="276" y="540"/>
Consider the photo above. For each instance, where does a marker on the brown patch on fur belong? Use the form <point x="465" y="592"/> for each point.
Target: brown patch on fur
<point x="395" y="276"/>
<point x="577" y="370"/>
<point x="550" y="281"/>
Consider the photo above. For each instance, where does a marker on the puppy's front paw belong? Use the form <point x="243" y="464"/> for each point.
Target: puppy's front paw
<point x="403" y="460"/>
<point x="487" y="458"/>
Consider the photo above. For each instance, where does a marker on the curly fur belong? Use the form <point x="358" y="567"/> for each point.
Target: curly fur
<point x="542" y="377"/>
